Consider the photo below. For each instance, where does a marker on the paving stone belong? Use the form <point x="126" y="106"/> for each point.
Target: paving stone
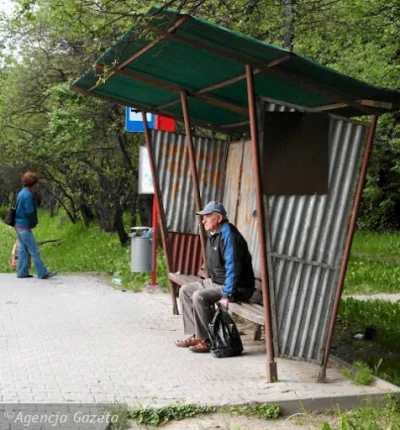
<point x="76" y="339"/>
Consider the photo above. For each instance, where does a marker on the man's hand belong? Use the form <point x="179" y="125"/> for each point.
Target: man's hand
<point x="223" y="303"/>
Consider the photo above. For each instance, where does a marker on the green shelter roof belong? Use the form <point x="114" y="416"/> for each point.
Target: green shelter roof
<point x="176" y="52"/>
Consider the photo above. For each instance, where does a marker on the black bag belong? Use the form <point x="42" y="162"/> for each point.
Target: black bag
<point x="10" y="217"/>
<point x="224" y="335"/>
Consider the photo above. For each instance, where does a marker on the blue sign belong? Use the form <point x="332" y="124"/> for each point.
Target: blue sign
<point x="134" y="120"/>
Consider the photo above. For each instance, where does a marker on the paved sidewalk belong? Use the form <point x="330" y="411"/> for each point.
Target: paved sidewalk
<point x="75" y="339"/>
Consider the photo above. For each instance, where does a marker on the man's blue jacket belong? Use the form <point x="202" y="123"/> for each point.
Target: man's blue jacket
<point x="229" y="262"/>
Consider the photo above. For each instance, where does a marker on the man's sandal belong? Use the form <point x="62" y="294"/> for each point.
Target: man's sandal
<point x="203" y="346"/>
<point x="191" y="341"/>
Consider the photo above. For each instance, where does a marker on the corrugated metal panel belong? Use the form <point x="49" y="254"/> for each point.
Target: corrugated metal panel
<point x="185" y="253"/>
<point x="305" y="237"/>
<point x="305" y="233"/>
<point x="306" y="245"/>
<point x="172" y="164"/>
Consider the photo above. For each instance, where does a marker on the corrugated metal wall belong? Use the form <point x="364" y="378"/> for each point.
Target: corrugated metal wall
<point x="305" y="238"/>
<point x="172" y="164"/>
<point x="305" y="233"/>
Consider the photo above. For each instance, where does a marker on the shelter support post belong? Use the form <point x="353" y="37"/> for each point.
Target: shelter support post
<point x="193" y="171"/>
<point x="160" y="209"/>
<point x="272" y="371"/>
<point x="347" y="248"/>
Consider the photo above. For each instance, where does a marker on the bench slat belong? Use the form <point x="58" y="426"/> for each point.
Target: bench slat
<point x="249" y="311"/>
<point x="181" y="279"/>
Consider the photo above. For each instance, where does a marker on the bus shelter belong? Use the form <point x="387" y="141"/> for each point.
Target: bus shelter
<point x="290" y="167"/>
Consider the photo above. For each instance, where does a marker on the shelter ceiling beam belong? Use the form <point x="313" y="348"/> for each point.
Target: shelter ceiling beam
<point x="142" y="108"/>
<point x="242" y="77"/>
<point x="377" y="104"/>
<point x="235" y="124"/>
<point x="146" y="48"/>
<point x="119" y="102"/>
<point x="371" y="103"/>
<point x="287" y="75"/>
<point x="159" y="84"/>
<point x="231" y="81"/>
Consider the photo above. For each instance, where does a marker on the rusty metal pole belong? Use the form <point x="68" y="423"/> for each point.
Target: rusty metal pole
<point x="193" y="171"/>
<point x="272" y="371"/>
<point x="160" y="210"/>
<point x="347" y="248"/>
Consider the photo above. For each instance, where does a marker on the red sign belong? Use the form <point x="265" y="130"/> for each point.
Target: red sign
<point x="165" y="124"/>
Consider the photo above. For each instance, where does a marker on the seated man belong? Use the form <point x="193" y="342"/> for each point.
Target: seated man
<point x="231" y="278"/>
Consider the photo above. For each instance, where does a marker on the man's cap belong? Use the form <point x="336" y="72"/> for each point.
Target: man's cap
<point x="213" y="207"/>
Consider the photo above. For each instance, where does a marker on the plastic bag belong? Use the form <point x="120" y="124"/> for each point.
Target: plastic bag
<point x="224" y="335"/>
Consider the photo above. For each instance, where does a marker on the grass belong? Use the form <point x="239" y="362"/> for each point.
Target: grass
<point x="77" y="249"/>
<point x="374" y="265"/>
<point x="158" y="416"/>
<point x="368" y="418"/>
<point x="361" y="374"/>
<point x="382" y="353"/>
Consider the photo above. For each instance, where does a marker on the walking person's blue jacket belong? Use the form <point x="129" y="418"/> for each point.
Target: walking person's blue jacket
<point x="26" y="212"/>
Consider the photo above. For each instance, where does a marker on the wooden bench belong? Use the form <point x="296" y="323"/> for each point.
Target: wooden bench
<point x="250" y="311"/>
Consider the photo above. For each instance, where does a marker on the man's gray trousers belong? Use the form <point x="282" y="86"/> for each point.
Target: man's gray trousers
<point x="197" y="301"/>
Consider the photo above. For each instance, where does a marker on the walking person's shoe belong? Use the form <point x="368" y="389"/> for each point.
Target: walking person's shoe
<point x="191" y="341"/>
<point x="49" y="275"/>
<point x="203" y="346"/>
<point x="25" y="276"/>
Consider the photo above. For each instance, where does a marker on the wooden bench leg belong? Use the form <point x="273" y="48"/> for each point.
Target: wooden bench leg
<point x="257" y="332"/>
<point x="174" y="294"/>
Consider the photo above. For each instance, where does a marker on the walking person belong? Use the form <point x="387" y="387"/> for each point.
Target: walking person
<point x="25" y="220"/>
<point x="231" y="278"/>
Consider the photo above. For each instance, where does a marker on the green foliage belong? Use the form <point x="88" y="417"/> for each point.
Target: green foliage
<point x="73" y="248"/>
<point x="382" y="353"/>
<point x="120" y="417"/>
<point x="374" y="264"/>
<point x="157" y="416"/>
<point x="361" y="374"/>
<point x="265" y="411"/>
<point x="368" y="418"/>
<point x="382" y="314"/>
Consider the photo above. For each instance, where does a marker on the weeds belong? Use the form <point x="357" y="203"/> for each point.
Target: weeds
<point x="368" y="418"/>
<point x="157" y="416"/>
<point x="361" y="374"/>
<point x="265" y="411"/>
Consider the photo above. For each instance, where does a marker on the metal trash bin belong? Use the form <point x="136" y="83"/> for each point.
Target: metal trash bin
<point x="141" y="249"/>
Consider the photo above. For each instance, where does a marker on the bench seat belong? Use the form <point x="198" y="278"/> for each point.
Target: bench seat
<point x="250" y="311"/>
<point x="180" y="279"/>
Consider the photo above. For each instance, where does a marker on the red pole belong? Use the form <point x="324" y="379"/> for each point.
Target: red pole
<point x="154" y="271"/>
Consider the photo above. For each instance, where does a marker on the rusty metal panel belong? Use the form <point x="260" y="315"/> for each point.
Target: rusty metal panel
<point x="174" y="179"/>
<point x="239" y="195"/>
<point x="185" y="252"/>
<point x="172" y="164"/>
<point x="307" y="235"/>
<point x="232" y="180"/>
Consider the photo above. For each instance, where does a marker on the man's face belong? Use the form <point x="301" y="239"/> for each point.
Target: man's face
<point x="211" y="222"/>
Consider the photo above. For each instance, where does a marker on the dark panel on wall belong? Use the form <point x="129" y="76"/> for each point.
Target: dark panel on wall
<point x="295" y="153"/>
